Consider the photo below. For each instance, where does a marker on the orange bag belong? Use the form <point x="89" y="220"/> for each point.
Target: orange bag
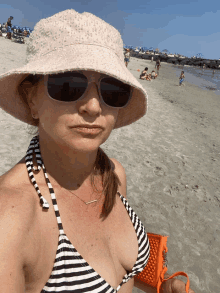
<point x="153" y="273"/>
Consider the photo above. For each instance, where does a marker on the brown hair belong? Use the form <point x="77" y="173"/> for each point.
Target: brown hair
<point x="103" y="166"/>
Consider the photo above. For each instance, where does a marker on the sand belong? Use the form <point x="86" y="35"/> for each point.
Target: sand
<point x="172" y="161"/>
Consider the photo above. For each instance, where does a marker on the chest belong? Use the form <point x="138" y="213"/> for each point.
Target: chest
<point x="110" y="247"/>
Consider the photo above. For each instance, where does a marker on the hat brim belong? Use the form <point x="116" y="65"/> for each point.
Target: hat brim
<point x="73" y="57"/>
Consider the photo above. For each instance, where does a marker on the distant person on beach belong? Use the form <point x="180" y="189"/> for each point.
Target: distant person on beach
<point x="8" y="23"/>
<point x="127" y="56"/>
<point x="65" y="221"/>
<point x="181" y="78"/>
<point x="152" y="58"/>
<point x="153" y="74"/>
<point x="145" y="75"/>
<point x="158" y="65"/>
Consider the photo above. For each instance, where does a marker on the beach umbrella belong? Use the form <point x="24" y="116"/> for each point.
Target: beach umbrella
<point x="199" y="55"/>
<point x="144" y="49"/>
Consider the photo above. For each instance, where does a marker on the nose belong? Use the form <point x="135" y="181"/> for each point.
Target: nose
<point x="91" y="102"/>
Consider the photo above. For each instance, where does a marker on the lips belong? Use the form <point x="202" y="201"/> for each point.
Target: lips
<point x="88" y="130"/>
<point x="88" y="126"/>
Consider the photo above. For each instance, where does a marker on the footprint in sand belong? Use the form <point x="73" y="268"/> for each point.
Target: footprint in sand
<point x="158" y="171"/>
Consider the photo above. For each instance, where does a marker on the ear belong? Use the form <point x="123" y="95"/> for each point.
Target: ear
<point x="30" y="93"/>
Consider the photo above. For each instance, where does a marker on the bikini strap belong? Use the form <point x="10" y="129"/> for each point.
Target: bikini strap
<point x="34" y="149"/>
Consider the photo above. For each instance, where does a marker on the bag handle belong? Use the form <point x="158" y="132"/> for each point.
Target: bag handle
<point x="161" y="280"/>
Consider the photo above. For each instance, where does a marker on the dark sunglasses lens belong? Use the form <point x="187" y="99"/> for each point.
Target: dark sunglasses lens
<point x="67" y="87"/>
<point x="114" y="92"/>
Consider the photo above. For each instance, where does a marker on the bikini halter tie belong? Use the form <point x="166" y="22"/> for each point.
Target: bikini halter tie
<point x="34" y="149"/>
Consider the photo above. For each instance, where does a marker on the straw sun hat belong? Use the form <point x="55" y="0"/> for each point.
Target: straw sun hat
<point x="70" y="41"/>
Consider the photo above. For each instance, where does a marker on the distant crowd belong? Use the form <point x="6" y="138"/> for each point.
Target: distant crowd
<point x="14" y="32"/>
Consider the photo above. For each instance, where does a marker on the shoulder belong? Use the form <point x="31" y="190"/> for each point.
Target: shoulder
<point x="17" y="222"/>
<point x="16" y="199"/>
<point x="120" y="172"/>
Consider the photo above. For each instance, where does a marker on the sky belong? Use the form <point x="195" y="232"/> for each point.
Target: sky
<point x="186" y="27"/>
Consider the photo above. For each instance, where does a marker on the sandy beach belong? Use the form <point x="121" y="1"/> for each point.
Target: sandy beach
<point x="172" y="161"/>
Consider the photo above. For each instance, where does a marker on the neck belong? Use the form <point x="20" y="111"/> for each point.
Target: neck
<point x="66" y="166"/>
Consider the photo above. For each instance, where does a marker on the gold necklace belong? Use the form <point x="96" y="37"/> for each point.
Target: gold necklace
<point x="88" y="202"/>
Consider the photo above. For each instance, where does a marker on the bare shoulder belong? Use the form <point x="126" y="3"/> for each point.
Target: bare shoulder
<point x="120" y="171"/>
<point x="15" y="195"/>
<point x="17" y="211"/>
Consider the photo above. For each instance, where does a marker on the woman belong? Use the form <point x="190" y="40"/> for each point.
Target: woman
<point x="158" y="65"/>
<point x="8" y="23"/>
<point x="145" y="75"/>
<point x="63" y="206"/>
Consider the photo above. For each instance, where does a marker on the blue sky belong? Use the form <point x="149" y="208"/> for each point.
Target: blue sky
<point x="187" y="28"/>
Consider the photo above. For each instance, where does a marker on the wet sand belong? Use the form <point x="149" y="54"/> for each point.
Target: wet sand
<point x="172" y="161"/>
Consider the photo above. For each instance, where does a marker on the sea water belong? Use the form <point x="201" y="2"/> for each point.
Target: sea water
<point x="204" y="78"/>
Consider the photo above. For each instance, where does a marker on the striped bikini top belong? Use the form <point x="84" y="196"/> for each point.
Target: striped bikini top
<point x="71" y="273"/>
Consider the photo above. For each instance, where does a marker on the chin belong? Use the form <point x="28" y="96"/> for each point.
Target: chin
<point x="82" y="145"/>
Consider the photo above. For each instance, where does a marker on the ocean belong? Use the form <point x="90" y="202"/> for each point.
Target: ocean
<point x="204" y="78"/>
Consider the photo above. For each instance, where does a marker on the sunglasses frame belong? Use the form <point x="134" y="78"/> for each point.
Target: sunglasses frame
<point x="90" y="79"/>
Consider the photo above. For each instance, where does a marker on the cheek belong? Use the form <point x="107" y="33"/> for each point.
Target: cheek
<point x="51" y="116"/>
<point x="112" y="118"/>
<point x="46" y="113"/>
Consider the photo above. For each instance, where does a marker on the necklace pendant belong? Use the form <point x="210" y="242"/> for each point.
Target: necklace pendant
<point x="91" y="201"/>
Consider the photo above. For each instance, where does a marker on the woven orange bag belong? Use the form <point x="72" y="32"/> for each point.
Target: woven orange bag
<point x="153" y="273"/>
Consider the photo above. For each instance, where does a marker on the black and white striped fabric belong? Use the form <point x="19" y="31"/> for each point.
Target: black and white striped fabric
<point x="71" y="273"/>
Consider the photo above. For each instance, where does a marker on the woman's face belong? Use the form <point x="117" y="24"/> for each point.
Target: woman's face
<point x="59" y="119"/>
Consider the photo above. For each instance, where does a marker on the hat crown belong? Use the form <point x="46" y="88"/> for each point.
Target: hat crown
<point x="69" y="28"/>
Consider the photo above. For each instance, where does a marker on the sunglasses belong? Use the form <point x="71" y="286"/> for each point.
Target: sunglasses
<point x="71" y="87"/>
